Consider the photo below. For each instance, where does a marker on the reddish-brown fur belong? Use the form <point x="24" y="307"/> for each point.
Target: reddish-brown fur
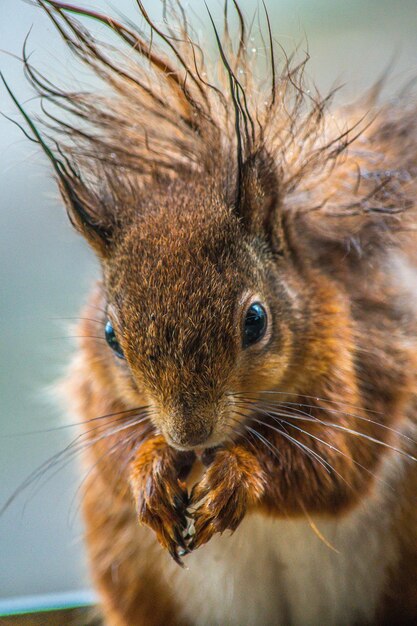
<point x="196" y="198"/>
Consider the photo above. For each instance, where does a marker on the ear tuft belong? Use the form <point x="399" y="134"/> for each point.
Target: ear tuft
<point x="87" y="217"/>
<point x="260" y="196"/>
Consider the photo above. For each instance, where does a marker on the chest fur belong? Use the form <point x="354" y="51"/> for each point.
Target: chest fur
<point x="290" y="572"/>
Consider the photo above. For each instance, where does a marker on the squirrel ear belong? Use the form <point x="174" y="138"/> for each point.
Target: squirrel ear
<point x="259" y="201"/>
<point x="96" y="226"/>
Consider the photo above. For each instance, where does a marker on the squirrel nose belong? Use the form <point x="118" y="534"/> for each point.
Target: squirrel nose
<point x="189" y="436"/>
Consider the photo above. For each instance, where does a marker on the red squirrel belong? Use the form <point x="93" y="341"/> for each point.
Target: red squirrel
<point x="246" y="373"/>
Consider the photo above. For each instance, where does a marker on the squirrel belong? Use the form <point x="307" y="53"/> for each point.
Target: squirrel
<point x="246" y="373"/>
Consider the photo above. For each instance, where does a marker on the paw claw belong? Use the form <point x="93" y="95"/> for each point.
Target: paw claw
<point x="219" y="502"/>
<point x="175" y="555"/>
<point x="180" y="500"/>
<point x="161" y="498"/>
<point x="179" y="539"/>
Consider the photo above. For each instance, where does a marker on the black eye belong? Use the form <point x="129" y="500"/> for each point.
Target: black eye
<point x="255" y="324"/>
<point x="112" y="341"/>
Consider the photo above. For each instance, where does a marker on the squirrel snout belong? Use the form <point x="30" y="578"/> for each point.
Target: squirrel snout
<point x="193" y="422"/>
<point x="186" y="434"/>
<point x="189" y="421"/>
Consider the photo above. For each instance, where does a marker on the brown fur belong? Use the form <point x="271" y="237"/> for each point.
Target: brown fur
<point x="196" y="195"/>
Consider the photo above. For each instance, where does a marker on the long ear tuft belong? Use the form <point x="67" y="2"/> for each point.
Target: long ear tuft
<point x="260" y="197"/>
<point x="83" y="215"/>
<point x="80" y="207"/>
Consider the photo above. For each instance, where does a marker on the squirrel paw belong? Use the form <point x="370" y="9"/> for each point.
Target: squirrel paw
<point x="161" y="496"/>
<point x="219" y="502"/>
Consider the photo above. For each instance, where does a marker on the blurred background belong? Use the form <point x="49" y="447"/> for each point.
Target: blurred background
<point x="46" y="269"/>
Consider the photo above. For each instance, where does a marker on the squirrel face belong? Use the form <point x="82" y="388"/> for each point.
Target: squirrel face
<point x="189" y="296"/>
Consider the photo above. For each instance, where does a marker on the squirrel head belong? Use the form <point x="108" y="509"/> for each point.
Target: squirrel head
<point x="203" y="304"/>
<point x="199" y="304"/>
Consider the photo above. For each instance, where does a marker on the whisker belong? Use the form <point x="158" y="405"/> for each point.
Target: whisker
<point x="314" y="455"/>
<point x="264" y="440"/>
<point x="275" y="450"/>
<point x="275" y="413"/>
<point x="240" y="432"/>
<point x="339" y="427"/>
<point x="70" y="452"/>
<point x="302" y="395"/>
<point x="143" y="415"/>
<point x="66" y="455"/>
<point x="360" y="417"/>
<point x="258" y="435"/>
<point x="329" y="445"/>
<point x="79" y="337"/>
<point x="87" y="319"/>
<point x="353" y="432"/>
<point x="293" y="407"/>
<point x="75" y="424"/>
<point x="319" y="534"/>
<point x="369" y="438"/>
<point x="119" y="445"/>
<point x="98" y="308"/>
<point x="277" y="419"/>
